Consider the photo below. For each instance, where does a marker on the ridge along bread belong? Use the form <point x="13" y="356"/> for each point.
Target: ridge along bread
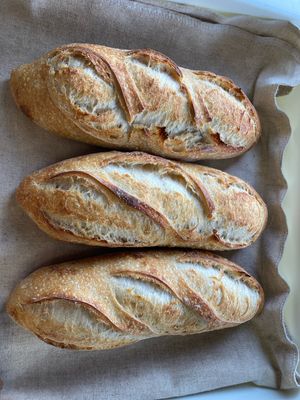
<point x="136" y="100"/>
<point x="135" y="199"/>
<point x="115" y="300"/>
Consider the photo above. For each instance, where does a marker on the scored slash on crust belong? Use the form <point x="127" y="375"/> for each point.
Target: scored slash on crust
<point x="149" y="93"/>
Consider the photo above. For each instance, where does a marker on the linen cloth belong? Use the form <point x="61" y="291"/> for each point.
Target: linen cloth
<point x="259" y="55"/>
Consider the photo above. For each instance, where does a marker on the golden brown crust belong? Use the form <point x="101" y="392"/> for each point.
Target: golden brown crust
<point x="114" y="300"/>
<point x="135" y="199"/>
<point x="138" y="100"/>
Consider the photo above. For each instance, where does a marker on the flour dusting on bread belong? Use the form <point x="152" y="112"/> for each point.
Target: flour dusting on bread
<point x="134" y="199"/>
<point x="112" y="301"/>
<point x="136" y="100"/>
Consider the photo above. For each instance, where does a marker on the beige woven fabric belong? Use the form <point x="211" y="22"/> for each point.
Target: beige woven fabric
<point x="258" y="55"/>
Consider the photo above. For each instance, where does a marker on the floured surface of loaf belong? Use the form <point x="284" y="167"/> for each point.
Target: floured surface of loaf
<point x="133" y="199"/>
<point x="115" y="300"/>
<point x="137" y="100"/>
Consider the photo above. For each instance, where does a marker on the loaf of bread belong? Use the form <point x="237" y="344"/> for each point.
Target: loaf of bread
<point x="114" y="300"/>
<point x="135" y="199"/>
<point x="137" y="100"/>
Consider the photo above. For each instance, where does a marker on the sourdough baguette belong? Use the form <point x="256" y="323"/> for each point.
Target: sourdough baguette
<point x="114" y="300"/>
<point x="135" y="199"/>
<point x="137" y="100"/>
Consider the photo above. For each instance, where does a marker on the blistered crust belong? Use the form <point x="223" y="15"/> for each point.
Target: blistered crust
<point x="138" y="100"/>
<point x="118" y="199"/>
<point x="115" y="300"/>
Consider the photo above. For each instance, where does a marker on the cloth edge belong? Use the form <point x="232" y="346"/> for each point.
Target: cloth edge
<point x="235" y="20"/>
<point x="206" y="15"/>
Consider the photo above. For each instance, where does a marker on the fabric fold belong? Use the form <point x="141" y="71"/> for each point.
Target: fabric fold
<point x="259" y="55"/>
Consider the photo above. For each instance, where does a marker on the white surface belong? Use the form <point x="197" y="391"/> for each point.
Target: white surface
<point x="288" y="267"/>
<point x="245" y="392"/>
<point x="279" y="9"/>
